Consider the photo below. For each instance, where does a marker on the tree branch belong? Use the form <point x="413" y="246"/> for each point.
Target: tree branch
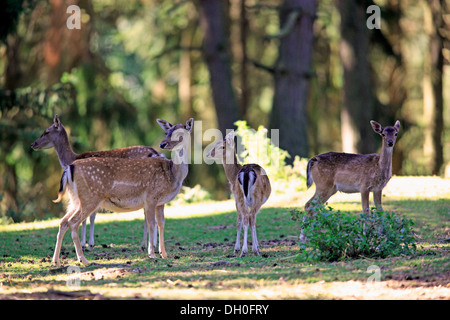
<point x="261" y="66"/>
<point x="176" y="48"/>
<point x="288" y="26"/>
<point x="262" y="6"/>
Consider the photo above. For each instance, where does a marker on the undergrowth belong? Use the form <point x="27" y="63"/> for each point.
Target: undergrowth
<point x="333" y="235"/>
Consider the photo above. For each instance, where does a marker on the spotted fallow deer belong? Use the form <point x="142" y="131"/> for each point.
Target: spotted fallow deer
<point x="56" y="136"/>
<point x="125" y="185"/>
<point x="354" y="173"/>
<point x="250" y="187"/>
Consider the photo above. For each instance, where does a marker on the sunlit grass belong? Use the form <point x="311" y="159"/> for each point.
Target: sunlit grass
<point x="202" y="265"/>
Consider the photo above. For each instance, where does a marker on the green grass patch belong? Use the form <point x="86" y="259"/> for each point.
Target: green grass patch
<point x="202" y="264"/>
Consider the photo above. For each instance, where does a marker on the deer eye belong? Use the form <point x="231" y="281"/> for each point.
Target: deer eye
<point x="396" y="134"/>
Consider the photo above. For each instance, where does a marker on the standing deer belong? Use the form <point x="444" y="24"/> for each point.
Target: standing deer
<point x="125" y="185"/>
<point x="250" y="187"/>
<point x="352" y="173"/>
<point x="56" y="136"/>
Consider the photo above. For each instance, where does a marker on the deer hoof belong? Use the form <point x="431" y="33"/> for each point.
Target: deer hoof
<point x="243" y="253"/>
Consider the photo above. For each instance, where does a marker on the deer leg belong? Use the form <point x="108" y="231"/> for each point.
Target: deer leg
<point x="253" y="212"/>
<point x="144" y="243"/>
<point x="155" y="236"/>
<point x="377" y="200"/>
<point x="255" y="244"/>
<point x="149" y="211"/>
<point x="302" y="237"/>
<point x="161" y="223"/>
<point x="365" y="200"/>
<point x="239" y="224"/>
<point x="63" y="226"/>
<point x="244" y="245"/>
<point x="145" y="237"/>
<point x="320" y="196"/>
<point x="83" y="234"/>
<point x="91" y="230"/>
<point x="74" y="222"/>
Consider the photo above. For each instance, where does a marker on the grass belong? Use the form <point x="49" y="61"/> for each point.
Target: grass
<point x="202" y="265"/>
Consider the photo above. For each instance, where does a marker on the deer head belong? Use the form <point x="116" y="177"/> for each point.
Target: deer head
<point x="388" y="134"/>
<point x="177" y="139"/>
<point x="223" y="150"/>
<point x="174" y="133"/>
<point x="50" y="135"/>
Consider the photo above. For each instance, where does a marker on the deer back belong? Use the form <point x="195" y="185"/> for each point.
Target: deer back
<point x="135" y="152"/>
<point x="125" y="182"/>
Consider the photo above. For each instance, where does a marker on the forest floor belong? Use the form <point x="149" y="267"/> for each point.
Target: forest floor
<point x="201" y="263"/>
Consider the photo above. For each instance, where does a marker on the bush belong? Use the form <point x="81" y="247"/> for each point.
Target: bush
<point x="260" y="149"/>
<point x="334" y="235"/>
<point x="191" y="195"/>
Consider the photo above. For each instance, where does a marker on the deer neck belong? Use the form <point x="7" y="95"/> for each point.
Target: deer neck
<point x="64" y="150"/>
<point x="180" y="164"/>
<point x="385" y="162"/>
<point x="231" y="169"/>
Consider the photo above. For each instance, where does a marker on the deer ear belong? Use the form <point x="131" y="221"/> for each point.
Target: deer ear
<point x="165" y="125"/>
<point x="189" y="124"/>
<point x="56" y="121"/>
<point x="397" y="125"/>
<point x="229" y="138"/>
<point x="376" y="126"/>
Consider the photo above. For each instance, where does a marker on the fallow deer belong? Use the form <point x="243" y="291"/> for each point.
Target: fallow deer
<point x="125" y="185"/>
<point x="354" y="173"/>
<point x="250" y="187"/>
<point x="56" y="136"/>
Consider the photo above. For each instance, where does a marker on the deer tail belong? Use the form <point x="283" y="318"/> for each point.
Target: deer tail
<point x="68" y="172"/>
<point x="247" y="181"/>
<point x="309" y="179"/>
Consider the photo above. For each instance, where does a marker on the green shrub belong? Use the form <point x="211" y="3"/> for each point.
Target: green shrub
<point x="334" y="235"/>
<point x="260" y="149"/>
<point x="188" y="195"/>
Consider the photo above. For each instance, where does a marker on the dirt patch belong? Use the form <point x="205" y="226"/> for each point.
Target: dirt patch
<point x="278" y="242"/>
<point x="54" y="295"/>
<point x="413" y="281"/>
<point x="108" y="273"/>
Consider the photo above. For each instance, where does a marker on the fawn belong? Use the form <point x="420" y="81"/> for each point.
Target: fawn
<point x="125" y="185"/>
<point x="250" y="187"/>
<point x="353" y="173"/>
<point x="56" y="136"/>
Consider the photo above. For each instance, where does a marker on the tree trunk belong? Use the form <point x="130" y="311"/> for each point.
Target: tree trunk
<point x="185" y="71"/>
<point x="432" y="87"/>
<point x="292" y="74"/>
<point x="217" y="56"/>
<point x="358" y="97"/>
<point x="64" y="48"/>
